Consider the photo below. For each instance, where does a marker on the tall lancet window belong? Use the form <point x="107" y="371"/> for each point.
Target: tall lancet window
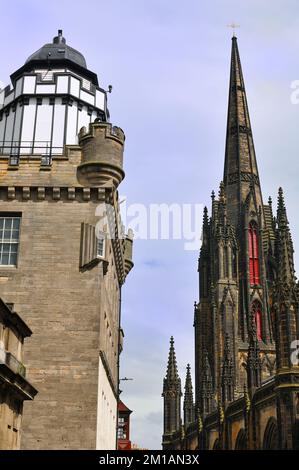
<point x="254" y="267"/>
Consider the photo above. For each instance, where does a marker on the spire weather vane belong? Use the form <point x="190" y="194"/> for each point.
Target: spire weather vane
<point x="233" y="26"/>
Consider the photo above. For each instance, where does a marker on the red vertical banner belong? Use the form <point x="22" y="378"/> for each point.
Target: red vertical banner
<point x="253" y="245"/>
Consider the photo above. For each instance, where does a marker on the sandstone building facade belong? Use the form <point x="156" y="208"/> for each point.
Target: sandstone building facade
<point x="61" y="162"/>
<point x="14" y="387"/>
<point x="246" y="322"/>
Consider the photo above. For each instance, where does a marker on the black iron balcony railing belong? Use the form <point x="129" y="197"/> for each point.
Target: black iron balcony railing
<point x="17" y="148"/>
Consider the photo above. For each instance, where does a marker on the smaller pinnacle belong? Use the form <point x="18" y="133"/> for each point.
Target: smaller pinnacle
<point x="221" y="190"/>
<point x="281" y="210"/>
<point x="205" y="216"/>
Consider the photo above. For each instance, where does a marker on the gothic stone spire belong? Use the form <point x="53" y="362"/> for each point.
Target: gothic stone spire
<point x="284" y="245"/>
<point x="172" y="377"/>
<point x="240" y="167"/>
<point x="172" y="396"/>
<point x="189" y="415"/>
<point x="285" y="295"/>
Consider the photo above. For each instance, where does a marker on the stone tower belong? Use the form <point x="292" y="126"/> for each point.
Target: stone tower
<point x="61" y="161"/>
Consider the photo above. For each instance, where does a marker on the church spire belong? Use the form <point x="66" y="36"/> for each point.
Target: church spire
<point x="189" y="415"/>
<point x="172" y="375"/>
<point x="172" y="396"/>
<point x="240" y="169"/>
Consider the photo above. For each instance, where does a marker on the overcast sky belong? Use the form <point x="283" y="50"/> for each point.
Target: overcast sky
<point x="168" y="62"/>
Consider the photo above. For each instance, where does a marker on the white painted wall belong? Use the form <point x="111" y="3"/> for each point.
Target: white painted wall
<point x="107" y="412"/>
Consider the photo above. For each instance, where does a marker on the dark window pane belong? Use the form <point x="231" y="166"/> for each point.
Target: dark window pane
<point x="5" y="258"/>
<point x="6" y="247"/>
<point x="7" y="234"/>
<point x="15" y="235"/>
<point x="16" y="223"/>
<point x="8" y="223"/>
<point x="13" y="258"/>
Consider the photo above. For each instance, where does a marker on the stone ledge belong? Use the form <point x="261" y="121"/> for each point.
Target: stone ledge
<point x="41" y="193"/>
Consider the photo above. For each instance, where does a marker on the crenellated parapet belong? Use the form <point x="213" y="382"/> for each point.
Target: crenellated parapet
<point x="102" y="155"/>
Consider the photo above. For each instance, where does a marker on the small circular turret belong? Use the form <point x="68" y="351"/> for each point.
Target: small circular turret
<point x="102" y="155"/>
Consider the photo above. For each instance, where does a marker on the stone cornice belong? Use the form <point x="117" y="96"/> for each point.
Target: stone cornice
<point x="55" y="193"/>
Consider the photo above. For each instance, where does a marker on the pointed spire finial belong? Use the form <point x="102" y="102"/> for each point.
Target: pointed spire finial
<point x="172" y="375"/>
<point x="240" y="166"/>
<point x="284" y="250"/>
<point x="189" y="416"/>
<point x="172" y="394"/>
<point x="188" y="384"/>
<point x="280" y="200"/>
<point x="205" y="216"/>
<point x="59" y="39"/>
<point x="281" y="210"/>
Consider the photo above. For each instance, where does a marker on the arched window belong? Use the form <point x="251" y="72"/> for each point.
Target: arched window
<point x="270" y="440"/>
<point x="257" y="313"/>
<point x="216" y="445"/>
<point x="241" y="440"/>
<point x="254" y="268"/>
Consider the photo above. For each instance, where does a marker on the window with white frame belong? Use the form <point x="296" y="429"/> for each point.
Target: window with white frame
<point x="9" y="239"/>
<point x="101" y="245"/>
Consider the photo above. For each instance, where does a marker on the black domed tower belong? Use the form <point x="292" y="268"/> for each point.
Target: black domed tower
<point x="54" y="95"/>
